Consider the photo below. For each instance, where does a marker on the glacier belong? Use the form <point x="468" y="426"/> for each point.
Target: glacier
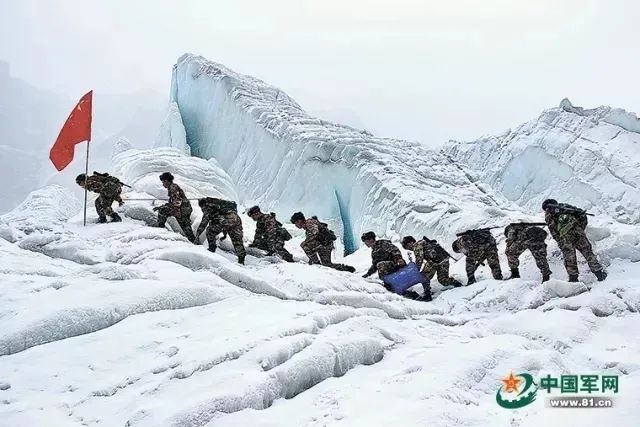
<point x="127" y="324"/>
<point x="285" y="160"/>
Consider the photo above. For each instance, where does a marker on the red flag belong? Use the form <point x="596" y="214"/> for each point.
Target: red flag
<point x="76" y="129"/>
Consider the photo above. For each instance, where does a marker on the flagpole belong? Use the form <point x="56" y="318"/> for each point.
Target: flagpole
<point x="86" y="178"/>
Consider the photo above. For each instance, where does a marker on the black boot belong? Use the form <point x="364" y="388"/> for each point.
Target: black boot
<point x="515" y="273"/>
<point x="116" y="218"/>
<point x="288" y="258"/>
<point x="427" y="292"/>
<point x="471" y="280"/>
<point x="102" y="219"/>
<point x="545" y="277"/>
<point x="573" y="278"/>
<point x="455" y="283"/>
<point x="601" y="275"/>
<point x="212" y="248"/>
<point x="241" y="259"/>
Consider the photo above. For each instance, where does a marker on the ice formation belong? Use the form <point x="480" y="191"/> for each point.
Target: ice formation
<point x="282" y="158"/>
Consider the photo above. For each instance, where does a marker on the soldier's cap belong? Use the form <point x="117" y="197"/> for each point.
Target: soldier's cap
<point x="406" y="240"/>
<point x="456" y="246"/>
<point x="548" y="203"/>
<point x="253" y="210"/>
<point x="166" y="176"/>
<point x="298" y="216"/>
<point x="81" y="178"/>
<point x="369" y="235"/>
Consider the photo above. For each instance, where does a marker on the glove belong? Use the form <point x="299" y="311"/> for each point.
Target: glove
<point x="156" y="208"/>
<point x="120" y="202"/>
<point x="365" y="275"/>
<point x="224" y="236"/>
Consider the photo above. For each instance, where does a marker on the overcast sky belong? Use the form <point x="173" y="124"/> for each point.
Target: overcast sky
<point x="424" y="70"/>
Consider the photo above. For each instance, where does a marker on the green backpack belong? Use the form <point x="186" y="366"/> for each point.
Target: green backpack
<point x="282" y="232"/>
<point x="326" y="234"/>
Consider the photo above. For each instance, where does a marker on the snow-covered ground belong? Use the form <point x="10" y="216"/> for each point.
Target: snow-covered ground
<point x="129" y="325"/>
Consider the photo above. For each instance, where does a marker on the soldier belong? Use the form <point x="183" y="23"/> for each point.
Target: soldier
<point x="520" y="237"/>
<point x="109" y="189"/>
<point x="567" y="224"/>
<point x="178" y="207"/>
<point x="318" y="243"/>
<point x="431" y="258"/>
<point x="270" y="234"/>
<point x="386" y="259"/>
<point x="221" y="216"/>
<point x="478" y="246"/>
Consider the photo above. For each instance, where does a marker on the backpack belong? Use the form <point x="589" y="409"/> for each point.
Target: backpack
<point x="439" y="250"/>
<point x="535" y="234"/>
<point x="110" y="184"/>
<point x="565" y="211"/>
<point x="282" y="232"/>
<point x="482" y="237"/>
<point x="223" y="206"/>
<point x="326" y="234"/>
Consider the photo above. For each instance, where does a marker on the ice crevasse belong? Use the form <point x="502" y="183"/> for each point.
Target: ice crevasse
<point x="285" y="160"/>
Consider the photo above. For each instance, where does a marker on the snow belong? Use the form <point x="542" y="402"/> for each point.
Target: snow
<point x="127" y="324"/>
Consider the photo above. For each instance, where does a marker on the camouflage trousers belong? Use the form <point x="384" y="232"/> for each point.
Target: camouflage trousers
<point x="387" y="267"/>
<point x="183" y="218"/>
<point x="539" y="252"/>
<point x="103" y="205"/>
<point x="568" y="245"/>
<point x="489" y="254"/>
<point x="321" y="255"/>
<point x="275" y="246"/>
<point x="234" y="232"/>
<point x="441" y="268"/>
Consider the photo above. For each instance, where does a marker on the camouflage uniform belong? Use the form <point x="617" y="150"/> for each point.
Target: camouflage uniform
<point x="109" y="190"/>
<point x="432" y="259"/>
<point x="568" y="231"/>
<point x="178" y="207"/>
<point x="216" y="220"/>
<point x="386" y="258"/>
<point x="270" y="236"/>
<point x="479" y="246"/>
<point x="317" y="247"/>
<point x="521" y="238"/>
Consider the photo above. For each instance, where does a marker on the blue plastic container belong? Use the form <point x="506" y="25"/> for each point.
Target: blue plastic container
<point x="404" y="278"/>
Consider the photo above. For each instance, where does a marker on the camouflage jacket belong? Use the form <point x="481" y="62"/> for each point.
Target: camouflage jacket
<point x="267" y="228"/>
<point x="384" y="250"/>
<point x="562" y="224"/>
<point x="106" y="186"/>
<point x="429" y="251"/>
<point x="178" y="201"/>
<point x="312" y="239"/>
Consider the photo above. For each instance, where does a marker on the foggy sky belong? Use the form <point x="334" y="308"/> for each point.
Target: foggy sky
<point x="423" y="70"/>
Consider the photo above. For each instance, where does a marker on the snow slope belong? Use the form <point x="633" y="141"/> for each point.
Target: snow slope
<point x="286" y="160"/>
<point x="131" y="325"/>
